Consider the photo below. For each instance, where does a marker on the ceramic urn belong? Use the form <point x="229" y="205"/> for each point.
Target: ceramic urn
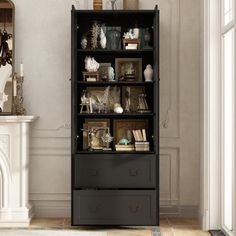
<point x="148" y="73"/>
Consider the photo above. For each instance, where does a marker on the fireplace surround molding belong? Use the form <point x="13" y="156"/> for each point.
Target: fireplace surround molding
<point x="15" y="209"/>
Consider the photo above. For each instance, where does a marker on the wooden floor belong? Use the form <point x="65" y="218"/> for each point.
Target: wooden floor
<point x="168" y="227"/>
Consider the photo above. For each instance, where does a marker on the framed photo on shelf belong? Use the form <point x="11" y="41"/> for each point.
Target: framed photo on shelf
<point x="103" y="71"/>
<point x="122" y="129"/>
<point x="100" y="128"/>
<point x="98" y="95"/>
<point x="135" y="91"/>
<point x="128" y="69"/>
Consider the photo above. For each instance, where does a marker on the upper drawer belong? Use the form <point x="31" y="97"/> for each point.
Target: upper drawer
<point x="119" y="171"/>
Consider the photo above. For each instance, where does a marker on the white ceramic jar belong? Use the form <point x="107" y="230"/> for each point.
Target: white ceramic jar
<point x="148" y="73"/>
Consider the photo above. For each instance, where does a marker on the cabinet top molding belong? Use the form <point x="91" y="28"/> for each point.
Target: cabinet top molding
<point x="17" y="119"/>
<point x="115" y="11"/>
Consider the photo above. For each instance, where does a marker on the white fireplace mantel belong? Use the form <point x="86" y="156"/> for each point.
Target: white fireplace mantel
<point x="15" y="210"/>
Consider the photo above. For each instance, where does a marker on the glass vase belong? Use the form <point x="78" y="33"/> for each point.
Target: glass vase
<point x="113" y="39"/>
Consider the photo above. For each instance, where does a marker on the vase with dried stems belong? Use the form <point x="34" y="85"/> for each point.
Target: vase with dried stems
<point x="97" y="4"/>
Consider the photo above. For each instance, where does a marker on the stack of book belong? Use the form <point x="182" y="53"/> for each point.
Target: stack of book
<point x="125" y="147"/>
<point x="91" y="79"/>
<point x="141" y="143"/>
<point x="131" y="46"/>
<point x="142" y="146"/>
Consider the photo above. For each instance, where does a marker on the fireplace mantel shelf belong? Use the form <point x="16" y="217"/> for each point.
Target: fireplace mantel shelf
<point x="16" y="119"/>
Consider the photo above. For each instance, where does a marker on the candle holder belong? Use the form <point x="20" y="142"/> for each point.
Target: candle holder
<point x="18" y="96"/>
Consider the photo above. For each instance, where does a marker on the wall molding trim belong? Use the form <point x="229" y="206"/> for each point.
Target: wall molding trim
<point x="211" y="118"/>
<point x="179" y="211"/>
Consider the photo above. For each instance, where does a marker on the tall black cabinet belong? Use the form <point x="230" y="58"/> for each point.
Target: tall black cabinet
<point x="115" y="184"/>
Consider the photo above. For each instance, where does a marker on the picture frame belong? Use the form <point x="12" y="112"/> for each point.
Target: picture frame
<point x="7" y="13"/>
<point x="103" y="71"/>
<point x="123" y="128"/>
<point x="114" y="97"/>
<point x="135" y="91"/>
<point x="128" y="69"/>
<point x="97" y="143"/>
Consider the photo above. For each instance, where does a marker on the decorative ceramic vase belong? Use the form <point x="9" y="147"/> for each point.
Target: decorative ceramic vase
<point x="117" y="108"/>
<point x="131" y="4"/>
<point x="148" y="73"/>
<point x="103" y="39"/>
<point x="113" y="39"/>
<point x="136" y="33"/>
<point x="97" y="4"/>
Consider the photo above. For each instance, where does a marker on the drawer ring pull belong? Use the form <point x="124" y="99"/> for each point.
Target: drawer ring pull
<point x="133" y="209"/>
<point x="133" y="172"/>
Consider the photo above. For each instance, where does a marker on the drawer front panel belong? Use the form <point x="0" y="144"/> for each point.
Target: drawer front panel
<point x="115" y="172"/>
<point x="114" y="207"/>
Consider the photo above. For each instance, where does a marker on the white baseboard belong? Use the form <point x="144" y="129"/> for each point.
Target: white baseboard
<point x="179" y="211"/>
<point x="52" y="211"/>
<point x="204" y="220"/>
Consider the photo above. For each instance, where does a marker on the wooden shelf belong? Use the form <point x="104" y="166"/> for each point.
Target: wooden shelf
<point x="112" y="12"/>
<point x="115" y="152"/>
<point x="116" y="83"/>
<point x="115" y="115"/>
<point x="119" y="51"/>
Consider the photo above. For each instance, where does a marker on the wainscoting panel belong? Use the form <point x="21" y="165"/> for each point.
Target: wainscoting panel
<point x="169" y="177"/>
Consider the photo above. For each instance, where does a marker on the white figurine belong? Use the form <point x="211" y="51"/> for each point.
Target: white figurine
<point x="111" y="74"/>
<point x="90" y="64"/>
<point x="129" y="35"/>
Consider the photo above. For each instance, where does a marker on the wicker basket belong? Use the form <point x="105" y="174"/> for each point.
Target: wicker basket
<point x="97" y="4"/>
<point x="131" y="4"/>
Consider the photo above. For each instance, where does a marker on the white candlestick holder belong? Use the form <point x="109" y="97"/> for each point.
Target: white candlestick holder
<point x="18" y="97"/>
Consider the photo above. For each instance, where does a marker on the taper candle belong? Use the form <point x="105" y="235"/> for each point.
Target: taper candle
<point x="14" y="87"/>
<point x="21" y="70"/>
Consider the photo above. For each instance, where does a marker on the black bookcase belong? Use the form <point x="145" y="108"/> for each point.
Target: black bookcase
<point x="111" y="187"/>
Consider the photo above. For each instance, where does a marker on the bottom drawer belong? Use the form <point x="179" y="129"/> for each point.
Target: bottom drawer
<point x="114" y="207"/>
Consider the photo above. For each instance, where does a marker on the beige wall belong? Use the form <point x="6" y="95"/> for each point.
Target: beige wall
<point x="43" y="43"/>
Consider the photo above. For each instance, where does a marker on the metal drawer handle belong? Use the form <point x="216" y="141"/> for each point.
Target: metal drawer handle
<point x="94" y="172"/>
<point x="133" y="209"/>
<point x="133" y="172"/>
